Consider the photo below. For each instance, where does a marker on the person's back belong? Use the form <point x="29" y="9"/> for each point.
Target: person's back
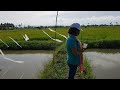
<point x="72" y="43"/>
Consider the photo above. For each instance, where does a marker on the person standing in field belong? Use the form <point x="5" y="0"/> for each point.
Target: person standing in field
<point x="74" y="49"/>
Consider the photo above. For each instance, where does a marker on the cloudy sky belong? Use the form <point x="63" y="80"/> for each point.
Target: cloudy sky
<point x="37" y="18"/>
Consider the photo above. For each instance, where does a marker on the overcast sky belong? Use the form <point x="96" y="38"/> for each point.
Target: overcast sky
<point x="37" y="18"/>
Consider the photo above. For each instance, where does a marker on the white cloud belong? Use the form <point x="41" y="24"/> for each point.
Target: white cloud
<point x="101" y="20"/>
<point x="91" y="20"/>
<point x="64" y="17"/>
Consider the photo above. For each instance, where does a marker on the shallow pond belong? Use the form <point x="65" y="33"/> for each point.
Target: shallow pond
<point x="105" y="62"/>
<point x="34" y="61"/>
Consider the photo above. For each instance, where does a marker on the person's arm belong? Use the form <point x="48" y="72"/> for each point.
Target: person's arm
<point x="73" y="47"/>
<point x="75" y="51"/>
<point x="81" y="51"/>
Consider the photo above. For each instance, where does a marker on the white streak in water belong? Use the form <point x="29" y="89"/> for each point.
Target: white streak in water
<point x="15" y="42"/>
<point x="4" y="42"/>
<point x="57" y="33"/>
<point x="52" y="38"/>
<point x="21" y="76"/>
<point x="2" y="53"/>
<point x="13" y="60"/>
<point x="9" y="58"/>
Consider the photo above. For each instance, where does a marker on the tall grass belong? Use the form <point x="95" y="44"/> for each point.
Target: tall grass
<point x="38" y="40"/>
<point x="33" y="34"/>
<point x="89" y="33"/>
<point x="96" y="33"/>
<point x="101" y="33"/>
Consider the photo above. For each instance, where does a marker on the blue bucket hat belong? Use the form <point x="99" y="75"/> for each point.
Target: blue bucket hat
<point x="75" y="25"/>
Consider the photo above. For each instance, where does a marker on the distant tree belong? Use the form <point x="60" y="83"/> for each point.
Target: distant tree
<point x="88" y="24"/>
<point x="116" y="23"/>
<point x="111" y="24"/>
<point x="6" y="26"/>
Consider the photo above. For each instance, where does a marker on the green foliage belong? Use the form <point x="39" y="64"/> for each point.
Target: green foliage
<point x="100" y="33"/>
<point x="58" y="68"/>
<point x="95" y="37"/>
<point x="30" y="45"/>
<point x="105" y="44"/>
<point x="88" y="73"/>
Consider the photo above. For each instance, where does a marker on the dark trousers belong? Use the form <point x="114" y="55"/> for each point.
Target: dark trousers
<point x="72" y="71"/>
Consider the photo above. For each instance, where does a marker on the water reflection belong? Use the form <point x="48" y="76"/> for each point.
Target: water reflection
<point x="27" y="51"/>
<point x="105" y="63"/>
<point x="34" y="61"/>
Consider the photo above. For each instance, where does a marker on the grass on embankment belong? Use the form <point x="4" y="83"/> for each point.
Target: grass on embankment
<point x="58" y="69"/>
<point x="95" y="37"/>
<point x="30" y="45"/>
<point x="103" y="44"/>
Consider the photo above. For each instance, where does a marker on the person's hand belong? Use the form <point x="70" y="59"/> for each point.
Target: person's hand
<point x="81" y="47"/>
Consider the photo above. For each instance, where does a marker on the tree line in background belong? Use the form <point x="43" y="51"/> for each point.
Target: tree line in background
<point x="7" y="26"/>
<point x="11" y="26"/>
